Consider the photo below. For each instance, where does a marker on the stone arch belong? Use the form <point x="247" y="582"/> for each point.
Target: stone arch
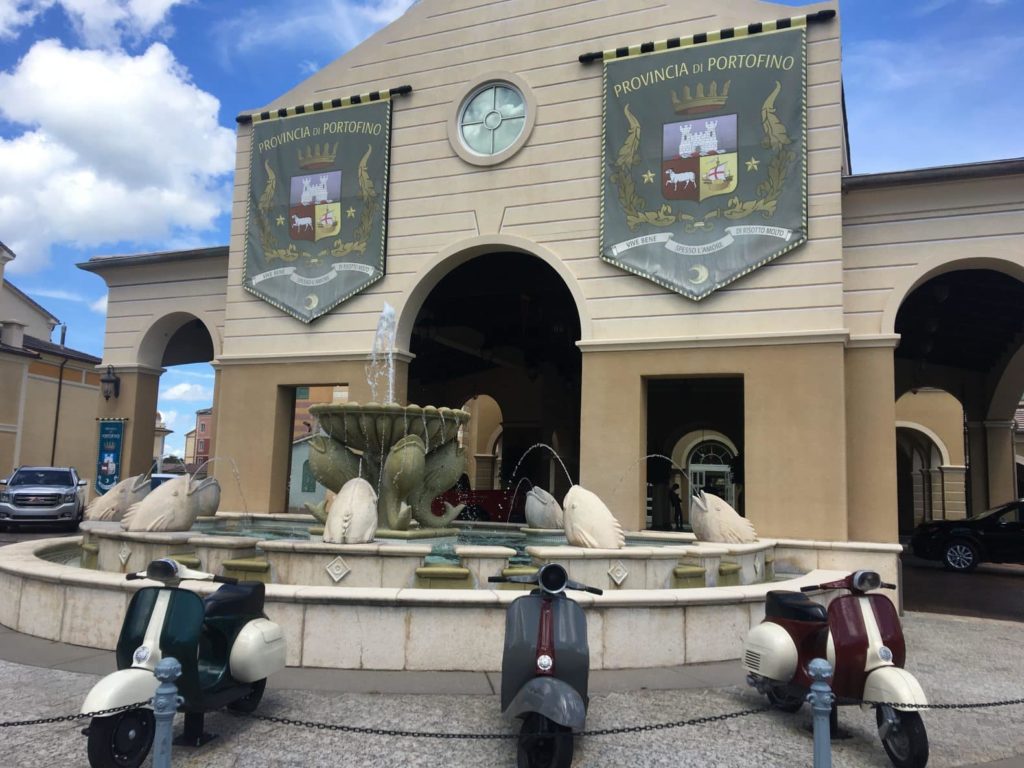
<point x="930" y="435"/>
<point x="924" y="272"/>
<point x="457" y="254"/>
<point x="151" y="345"/>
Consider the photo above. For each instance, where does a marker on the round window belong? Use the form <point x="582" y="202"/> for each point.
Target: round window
<point x="492" y="118"/>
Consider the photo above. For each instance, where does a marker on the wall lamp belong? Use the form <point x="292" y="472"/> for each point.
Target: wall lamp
<point x="111" y="383"/>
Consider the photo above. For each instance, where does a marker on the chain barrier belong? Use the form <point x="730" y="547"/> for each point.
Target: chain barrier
<point x="901" y="705"/>
<point x="72" y="718"/>
<point x="321" y="726"/>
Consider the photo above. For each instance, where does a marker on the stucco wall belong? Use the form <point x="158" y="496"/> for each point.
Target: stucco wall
<point x="548" y="193"/>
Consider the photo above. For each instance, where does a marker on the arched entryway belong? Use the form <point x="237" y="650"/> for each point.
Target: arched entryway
<point x="962" y="330"/>
<point x="504" y="323"/>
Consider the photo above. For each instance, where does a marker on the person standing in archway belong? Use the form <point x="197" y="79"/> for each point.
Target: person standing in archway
<point x="677" y="507"/>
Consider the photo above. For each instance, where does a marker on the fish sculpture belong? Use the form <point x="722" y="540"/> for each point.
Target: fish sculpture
<point x="352" y="517"/>
<point x="321" y="508"/>
<point x="403" y="474"/>
<point x="589" y="523"/>
<point x="542" y="510"/>
<point x="114" y="503"/>
<point x="174" y="505"/>
<point x="441" y="468"/>
<point x="714" y="520"/>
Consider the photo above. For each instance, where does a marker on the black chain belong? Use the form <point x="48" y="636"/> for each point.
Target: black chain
<point x="903" y="705"/>
<point x="676" y="724"/>
<point x="72" y="718"/>
<point x="321" y="726"/>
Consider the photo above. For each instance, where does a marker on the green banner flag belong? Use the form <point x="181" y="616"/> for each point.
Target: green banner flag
<point x="317" y="211"/>
<point x="704" y="168"/>
<point x="108" y="462"/>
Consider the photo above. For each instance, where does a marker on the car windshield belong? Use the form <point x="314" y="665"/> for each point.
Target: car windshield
<point x="41" y="477"/>
<point x="990" y="513"/>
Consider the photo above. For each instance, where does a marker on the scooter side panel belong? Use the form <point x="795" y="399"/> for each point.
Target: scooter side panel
<point x="554" y="699"/>
<point x="133" y="630"/>
<point x="121" y="688"/>
<point x="889" y="627"/>
<point x="850" y="639"/>
<point x="180" y="639"/>
<point x="519" y="661"/>
<point x="258" y="651"/>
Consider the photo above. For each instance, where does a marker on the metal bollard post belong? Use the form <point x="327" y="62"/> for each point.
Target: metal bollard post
<point x="821" y="699"/>
<point x="165" y="705"/>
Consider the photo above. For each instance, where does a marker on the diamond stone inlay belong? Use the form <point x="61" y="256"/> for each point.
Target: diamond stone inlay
<point x="618" y="573"/>
<point x="124" y="553"/>
<point x="337" y="569"/>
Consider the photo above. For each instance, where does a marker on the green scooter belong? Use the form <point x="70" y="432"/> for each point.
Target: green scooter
<point x="226" y="645"/>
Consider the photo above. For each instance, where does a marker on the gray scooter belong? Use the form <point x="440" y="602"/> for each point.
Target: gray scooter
<point x="545" y="667"/>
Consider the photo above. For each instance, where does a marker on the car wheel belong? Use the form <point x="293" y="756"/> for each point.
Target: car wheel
<point x="960" y="555"/>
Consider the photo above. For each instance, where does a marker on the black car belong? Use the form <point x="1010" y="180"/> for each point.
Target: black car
<point x="995" y="536"/>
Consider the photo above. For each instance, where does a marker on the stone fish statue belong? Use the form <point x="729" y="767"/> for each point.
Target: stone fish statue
<point x="174" y="505"/>
<point x="542" y="510"/>
<point x="589" y="523"/>
<point x="352" y="516"/>
<point x="114" y="503"/>
<point x="714" y="520"/>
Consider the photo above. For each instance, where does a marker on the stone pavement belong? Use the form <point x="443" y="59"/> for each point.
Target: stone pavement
<point x="957" y="661"/>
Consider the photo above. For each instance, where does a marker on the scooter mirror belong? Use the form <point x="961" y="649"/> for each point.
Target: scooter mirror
<point x="162" y="570"/>
<point x="552" y="578"/>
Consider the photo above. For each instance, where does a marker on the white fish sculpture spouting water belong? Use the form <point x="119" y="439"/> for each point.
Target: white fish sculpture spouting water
<point x="714" y="520"/>
<point x="114" y="503"/>
<point x="589" y="523"/>
<point x="542" y="509"/>
<point x="352" y="516"/>
<point x="174" y="505"/>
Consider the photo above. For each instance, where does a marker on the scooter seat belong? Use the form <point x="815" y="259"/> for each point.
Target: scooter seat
<point x="234" y="599"/>
<point x="796" y="606"/>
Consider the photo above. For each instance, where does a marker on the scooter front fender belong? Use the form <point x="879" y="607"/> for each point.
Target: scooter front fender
<point x="554" y="699"/>
<point x="894" y="684"/>
<point x="121" y="688"/>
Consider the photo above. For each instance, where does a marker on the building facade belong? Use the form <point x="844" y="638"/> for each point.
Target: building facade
<point x="792" y="376"/>
<point x="48" y="392"/>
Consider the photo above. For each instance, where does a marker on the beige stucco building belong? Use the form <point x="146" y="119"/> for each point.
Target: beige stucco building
<point x="816" y="368"/>
<point x="48" y="392"/>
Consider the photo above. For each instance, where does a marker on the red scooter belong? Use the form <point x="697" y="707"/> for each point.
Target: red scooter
<point x="861" y="636"/>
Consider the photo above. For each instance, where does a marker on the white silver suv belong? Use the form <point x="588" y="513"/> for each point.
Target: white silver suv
<point x="42" y="495"/>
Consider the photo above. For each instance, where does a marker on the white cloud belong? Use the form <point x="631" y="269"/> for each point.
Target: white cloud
<point x="188" y="393"/>
<point x="194" y="374"/>
<point x="99" y="306"/>
<point x="170" y="418"/>
<point x="116" y="148"/>
<point x="100" y="23"/>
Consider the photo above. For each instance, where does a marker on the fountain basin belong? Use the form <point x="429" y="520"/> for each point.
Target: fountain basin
<point x="402" y="627"/>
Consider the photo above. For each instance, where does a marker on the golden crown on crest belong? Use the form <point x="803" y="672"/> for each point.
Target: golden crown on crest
<point x="699" y="101"/>
<point x="318" y="156"/>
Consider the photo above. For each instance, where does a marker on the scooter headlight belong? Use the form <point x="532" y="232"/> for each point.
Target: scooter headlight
<point x="545" y="662"/>
<point x="884" y="654"/>
<point x="141" y="655"/>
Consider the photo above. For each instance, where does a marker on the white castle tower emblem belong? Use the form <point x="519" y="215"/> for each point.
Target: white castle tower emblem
<point x="704" y="143"/>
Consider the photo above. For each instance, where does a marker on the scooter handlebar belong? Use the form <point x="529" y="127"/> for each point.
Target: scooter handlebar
<point x="132" y="576"/>
<point x="225" y="580"/>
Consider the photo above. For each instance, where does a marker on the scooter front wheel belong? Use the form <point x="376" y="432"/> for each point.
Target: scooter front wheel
<point x="784" y="699"/>
<point x="543" y="744"/>
<point x="251" y="700"/>
<point x="905" y="740"/>
<point x="122" y="740"/>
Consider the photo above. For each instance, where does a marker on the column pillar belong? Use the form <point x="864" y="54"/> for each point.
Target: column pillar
<point x="871" y="442"/>
<point x="977" y="467"/>
<point x="136" y="402"/>
<point x="954" y="492"/>
<point x="1002" y="471"/>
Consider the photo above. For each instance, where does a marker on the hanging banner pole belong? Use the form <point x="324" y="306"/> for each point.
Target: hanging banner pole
<point x="320" y="106"/>
<point x="709" y="37"/>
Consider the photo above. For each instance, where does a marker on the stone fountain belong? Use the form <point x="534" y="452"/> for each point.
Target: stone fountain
<point x="408" y="453"/>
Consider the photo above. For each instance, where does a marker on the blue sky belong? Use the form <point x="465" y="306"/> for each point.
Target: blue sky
<point x="117" y="120"/>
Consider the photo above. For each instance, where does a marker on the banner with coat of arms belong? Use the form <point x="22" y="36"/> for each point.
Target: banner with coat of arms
<point x="704" y="172"/>
<point x="317" y="211"/>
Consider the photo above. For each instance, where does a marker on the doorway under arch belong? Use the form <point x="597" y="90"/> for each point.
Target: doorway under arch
<point x="504" y="323"/>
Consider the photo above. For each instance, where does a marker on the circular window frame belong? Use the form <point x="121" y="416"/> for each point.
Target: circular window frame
<point x="506" y="79"/>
